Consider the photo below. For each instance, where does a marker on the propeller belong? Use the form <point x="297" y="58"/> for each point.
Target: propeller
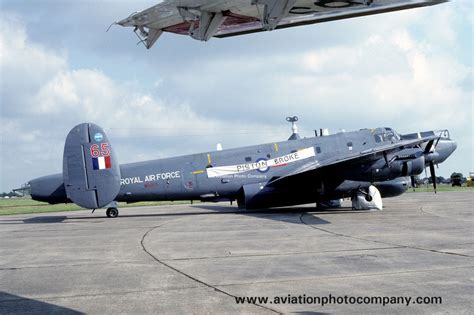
<point x="412" y="182"/>
<point x="386" y="159"/>
<point x="427" y="151"/>
<point x="428" y="146"/>
<point x="433" y="175"/>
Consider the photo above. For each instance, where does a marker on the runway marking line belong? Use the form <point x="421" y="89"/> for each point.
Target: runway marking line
<point x="142" y="242"/>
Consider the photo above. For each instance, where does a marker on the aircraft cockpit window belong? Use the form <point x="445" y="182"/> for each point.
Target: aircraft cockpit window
<point x="442" y="133"/>
<point x="410" y="136"/>
<point x="386" y="134"/>
<point x="392" y="136"/>
<point x="427" y="134"/>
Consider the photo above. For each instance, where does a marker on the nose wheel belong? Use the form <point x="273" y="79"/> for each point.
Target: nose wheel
<point x="112" y="212"/>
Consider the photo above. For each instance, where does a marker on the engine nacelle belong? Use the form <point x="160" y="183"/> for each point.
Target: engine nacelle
<point x="261" y="195"/>
<point x="255" y="196"/>
<point x="408" y="162"/>
<point x="413" y="167"/>
<point x="394" y="187"/>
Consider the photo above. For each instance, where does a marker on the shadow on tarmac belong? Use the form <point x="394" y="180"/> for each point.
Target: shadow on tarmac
<point x="14" y="304"/>
<point x="277" y="214"/>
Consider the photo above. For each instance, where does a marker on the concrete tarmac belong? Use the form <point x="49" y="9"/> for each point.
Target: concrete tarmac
<point x="198" y="259"/>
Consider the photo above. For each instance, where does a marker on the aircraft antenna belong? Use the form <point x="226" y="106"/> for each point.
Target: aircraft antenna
<point x="294" y="128"/>
<point x="110" y="26"/>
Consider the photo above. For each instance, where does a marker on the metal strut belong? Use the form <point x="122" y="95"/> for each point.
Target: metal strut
<point x="274" y="11"/>
<point x="209" y="22"/>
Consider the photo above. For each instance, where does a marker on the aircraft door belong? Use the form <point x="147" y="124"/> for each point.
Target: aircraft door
<point x="189" y="176"/>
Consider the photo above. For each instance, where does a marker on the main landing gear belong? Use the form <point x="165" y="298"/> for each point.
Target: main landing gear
<point x="112" y="212"/>
<point x="365" y="200"/>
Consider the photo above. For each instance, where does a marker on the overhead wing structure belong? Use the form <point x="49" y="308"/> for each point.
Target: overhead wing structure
<point x="358" y="158"/>
<point x="203" y="19"/>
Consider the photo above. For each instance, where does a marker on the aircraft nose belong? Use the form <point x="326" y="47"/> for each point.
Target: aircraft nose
<point x="450" y="147"/>
<point x="444" y="149"/>
<point x="454" y="146"/>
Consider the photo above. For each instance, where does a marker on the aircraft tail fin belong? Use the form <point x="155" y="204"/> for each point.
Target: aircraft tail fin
<point x="91" y="172"/>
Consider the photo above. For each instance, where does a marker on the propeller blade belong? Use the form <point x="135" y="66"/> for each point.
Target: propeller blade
<point x="428" y="146"/>
<point x="412" y="182"/>
<point x="433" y="175"/>
<point x="386" y="158"/>
<point x="437" y="140"/>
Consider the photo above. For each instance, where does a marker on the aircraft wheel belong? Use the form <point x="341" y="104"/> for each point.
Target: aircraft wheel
<point x="368" y="198"/>
<point x="112" y="212"/>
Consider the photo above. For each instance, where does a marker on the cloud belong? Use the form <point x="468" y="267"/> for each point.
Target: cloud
<point x="43" y="98"/>
<point x="385" y="77"/>
<point x="399" y="74"/>
<point x="24" y="65"/>
<point x="184" y="96"/>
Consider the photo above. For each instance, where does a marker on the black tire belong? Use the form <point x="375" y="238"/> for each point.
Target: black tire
<point x="368" y="198"/>
<point x="112" y="212"/>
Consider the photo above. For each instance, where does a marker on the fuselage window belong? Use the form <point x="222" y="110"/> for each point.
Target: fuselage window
<point x="248" y="159"/>
<point x="318" y="149"/>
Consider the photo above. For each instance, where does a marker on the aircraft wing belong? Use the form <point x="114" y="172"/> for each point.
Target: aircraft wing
<point x="361" y="157"/>
<point x="203" y="19"/>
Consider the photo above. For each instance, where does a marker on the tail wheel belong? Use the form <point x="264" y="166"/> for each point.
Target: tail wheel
<point x="112" y="212"/>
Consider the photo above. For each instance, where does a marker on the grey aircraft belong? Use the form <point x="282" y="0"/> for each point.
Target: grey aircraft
<point x="204" y="19"/>
<point x="365" y="165"/>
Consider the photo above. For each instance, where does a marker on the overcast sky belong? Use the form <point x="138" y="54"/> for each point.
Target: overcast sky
<point x="410" y="70"/>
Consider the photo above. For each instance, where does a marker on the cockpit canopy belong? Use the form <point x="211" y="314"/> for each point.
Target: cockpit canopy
<point x="443" y="134"/>
<point x="386" y="135"/>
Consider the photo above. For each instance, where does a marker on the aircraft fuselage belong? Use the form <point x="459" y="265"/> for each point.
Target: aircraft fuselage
<point x="223" y="175"/>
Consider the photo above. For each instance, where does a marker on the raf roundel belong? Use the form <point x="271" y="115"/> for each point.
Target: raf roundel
<point x="98" y="137"/>
<point x="264" y="167"/>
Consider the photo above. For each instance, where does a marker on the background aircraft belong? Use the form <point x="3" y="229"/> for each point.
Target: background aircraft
<point x="203" y="19"/>
<point x="366" y="165"/>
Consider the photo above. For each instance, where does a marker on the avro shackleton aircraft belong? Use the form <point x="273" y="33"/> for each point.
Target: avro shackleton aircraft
<point x="203" y="19"/>
<point x="366" y="165"/>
